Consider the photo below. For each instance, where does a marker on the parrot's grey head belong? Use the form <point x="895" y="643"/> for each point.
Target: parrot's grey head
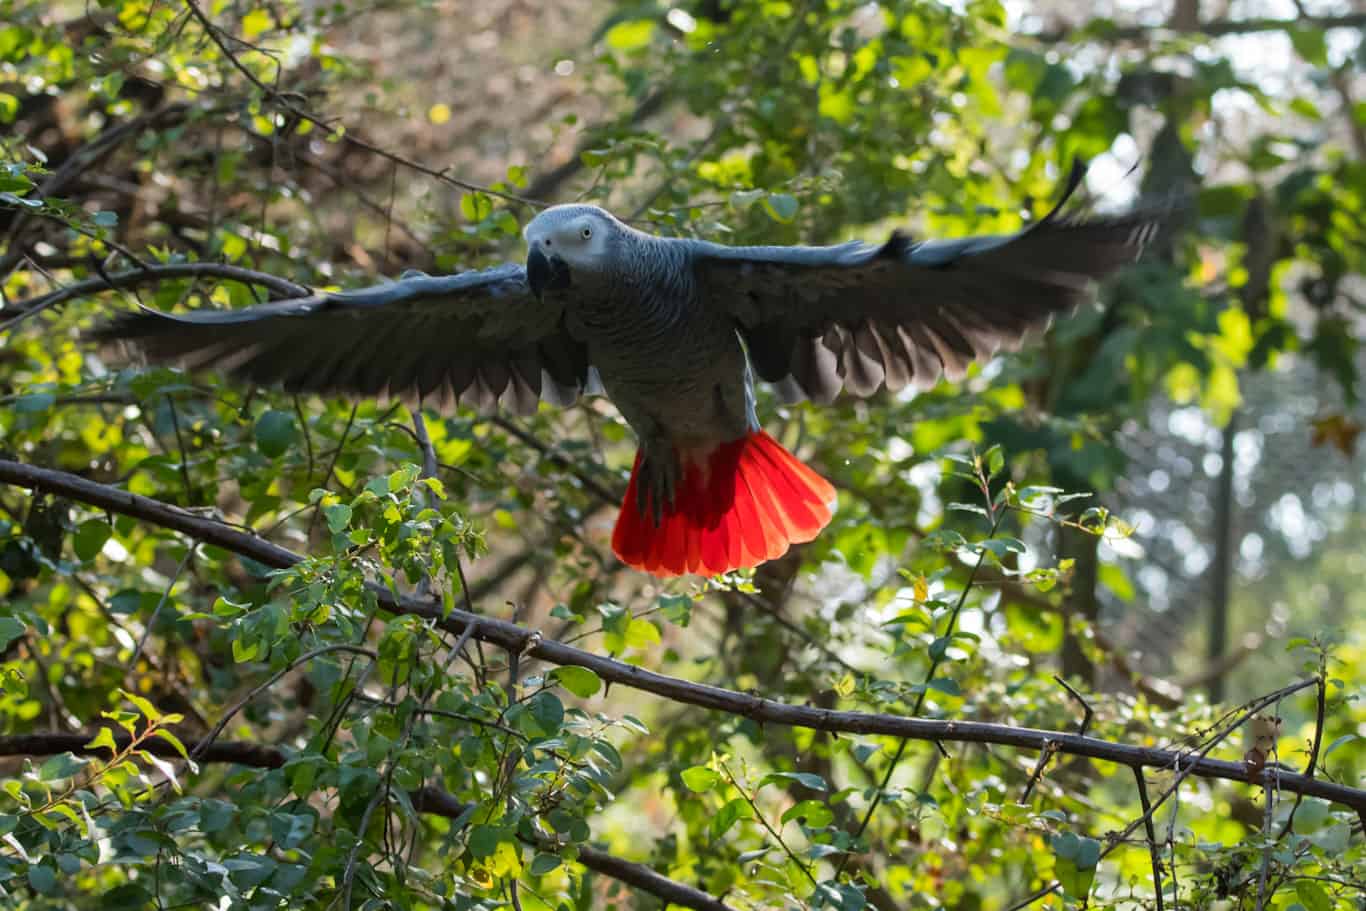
<point x="564" y="240"/>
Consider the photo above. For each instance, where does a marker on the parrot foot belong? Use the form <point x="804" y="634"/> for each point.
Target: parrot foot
<point x="660" y="471"/>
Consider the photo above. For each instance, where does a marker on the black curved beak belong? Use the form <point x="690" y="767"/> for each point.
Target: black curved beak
<point x="545" y="273"/>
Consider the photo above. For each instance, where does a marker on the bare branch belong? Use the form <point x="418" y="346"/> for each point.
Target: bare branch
<point x="510" y="636"/>
<point x="1320" y="710"/>
<point x="1148" y="827"/>
<point x="150" y="275"/>
<point x="1085" y="706"/>
<point x="1216" y="28"/>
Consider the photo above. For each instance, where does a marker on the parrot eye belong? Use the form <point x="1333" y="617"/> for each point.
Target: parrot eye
<point x="587" y="233"/>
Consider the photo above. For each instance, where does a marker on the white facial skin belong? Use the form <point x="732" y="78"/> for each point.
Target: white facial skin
<point x="575" y="234"/>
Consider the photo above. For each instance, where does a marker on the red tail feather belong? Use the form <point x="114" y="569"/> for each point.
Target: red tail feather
<point x="743" y="503"/>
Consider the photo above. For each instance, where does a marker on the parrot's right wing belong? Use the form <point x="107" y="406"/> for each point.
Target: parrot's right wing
<point x="479" y="337"/>
<point x="856" y="316"/>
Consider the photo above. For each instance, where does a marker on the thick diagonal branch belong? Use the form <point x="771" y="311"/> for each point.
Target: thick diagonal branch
<point x="530" y="643"/>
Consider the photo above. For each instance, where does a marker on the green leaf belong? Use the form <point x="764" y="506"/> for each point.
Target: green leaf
<point x="743" y="199"/>
<point x="542" y="864"/>
<point x="1313" y="896"/>
<point x="215" y="815"/>
<point x="580" y="681"/>
<point x="290" y="829"/>
<point x="11" y="182"/>
<point x="781" y="207"/>
<point x="10" y="629"/>
<point x="90" y="538"/>
<point x="641" y="634"/>
<point x="699" y="779"/>
<point x="484" y="840"/>
<point x="402" y="478"/>
<point x="548" y="712"/>
<point x="34" y="402"/>
<point x="276" y="432"/>
<point x="1088" y="853"/>
<point x="810" y="813"/>
<point x="144" y="706"/>
<point x="1311" y="43"/>
<point x="173" y="740"/>
<point x="805" y="779"/>
<point x="945" y="685"/>
<point x="996" y="460"/>
<point x="21" y="201"/>
<point x="63" y="765"/>
<point x="43" y="879"/>
<point x="476" y="206"/>
<point x="939" y="647"/>
<point x="105" y="739"/>
<point x="734" y="811"/>
<point x="338" y="516"/>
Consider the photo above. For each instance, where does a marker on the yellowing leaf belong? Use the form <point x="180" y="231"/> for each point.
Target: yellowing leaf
<point x="920" y="589"/>
<point x="838" y="106"/>
<point x="256" y="22"/>
<point x="641" y="634"/>
<point x="506" y="859"/>
<point x="844" y="687"/>
<point x="1183" y="383"/>
<point x="630" y="36"/>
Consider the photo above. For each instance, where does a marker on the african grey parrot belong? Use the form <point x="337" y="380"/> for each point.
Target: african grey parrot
<point x="676" y="330"/>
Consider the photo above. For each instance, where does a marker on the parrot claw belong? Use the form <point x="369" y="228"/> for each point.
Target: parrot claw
<point x="660" y="477"/>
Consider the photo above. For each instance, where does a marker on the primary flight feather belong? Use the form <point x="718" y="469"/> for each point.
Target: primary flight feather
<point x="676" y="330"/>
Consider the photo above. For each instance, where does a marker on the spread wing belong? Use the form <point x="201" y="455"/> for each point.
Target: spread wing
<point x="477" y="337"/>
<point x="854" y="316"/>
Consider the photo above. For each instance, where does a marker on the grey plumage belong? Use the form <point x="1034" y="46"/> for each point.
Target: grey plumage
<point x="673" y="326"/>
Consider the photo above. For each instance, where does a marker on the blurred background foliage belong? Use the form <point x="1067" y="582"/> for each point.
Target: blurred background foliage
<point x="1211" y="404"/>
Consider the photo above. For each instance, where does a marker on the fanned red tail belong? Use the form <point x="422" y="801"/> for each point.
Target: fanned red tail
<point x="743" y="503"/>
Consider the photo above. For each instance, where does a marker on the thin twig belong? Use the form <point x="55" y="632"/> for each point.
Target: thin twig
<point x="1085" y="706"/>
<point x="151" y="621"/>
<point x="270" y="681"/>
<point x="1146" y="805"/>
<point x="1271" y="793"/>
<point x="1192" y="764"/>
<point x="996" y="516"/>
<point x="1045" y="757"/>
<point x="759" y="815"/>
<point x="1320" y="710"/>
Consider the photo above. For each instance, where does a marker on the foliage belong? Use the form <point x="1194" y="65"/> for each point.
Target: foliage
<point x="952" y="583"/>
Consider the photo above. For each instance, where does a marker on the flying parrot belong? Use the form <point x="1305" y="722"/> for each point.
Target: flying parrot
<point x="674" y="331"/>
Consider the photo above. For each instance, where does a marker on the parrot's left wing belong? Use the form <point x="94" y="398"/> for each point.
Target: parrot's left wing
<point x="480" y="337"/>
<point x="855" y="316"/>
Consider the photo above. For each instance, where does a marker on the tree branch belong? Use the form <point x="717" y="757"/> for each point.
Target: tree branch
<point x="529" y="642"/>
<point x="1147" y="806"/>
<point x="148" y="275"/>
<point x="425" y="800"/>
<point x="1215" y="28"/>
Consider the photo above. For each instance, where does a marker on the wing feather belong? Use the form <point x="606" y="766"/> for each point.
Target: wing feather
<point x="476" y="337"/>
<point x="858" y="317"/>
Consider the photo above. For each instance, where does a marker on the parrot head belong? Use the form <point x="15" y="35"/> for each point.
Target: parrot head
<point x="564" y="240"/>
